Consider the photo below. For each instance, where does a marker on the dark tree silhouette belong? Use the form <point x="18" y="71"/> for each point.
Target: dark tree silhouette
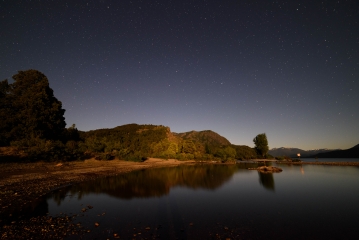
<point x="261" y="144"/>
<point x="30" y="108"/>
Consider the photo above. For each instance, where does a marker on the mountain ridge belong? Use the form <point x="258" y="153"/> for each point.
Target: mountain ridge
<point x="352" y="152"/>
<point x="322" y="153"/>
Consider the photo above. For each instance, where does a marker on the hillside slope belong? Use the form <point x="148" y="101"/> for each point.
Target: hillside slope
<point x="204" y="137"/>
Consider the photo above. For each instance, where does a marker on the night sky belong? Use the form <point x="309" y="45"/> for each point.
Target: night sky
<point x="240" y="68"/>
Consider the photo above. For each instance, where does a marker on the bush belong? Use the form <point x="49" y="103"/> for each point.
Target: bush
<point x="41" y="149"/>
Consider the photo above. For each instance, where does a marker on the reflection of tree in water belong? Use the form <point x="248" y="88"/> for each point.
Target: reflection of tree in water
<point x="266" y="180"/>
<point x="154" y="182"/>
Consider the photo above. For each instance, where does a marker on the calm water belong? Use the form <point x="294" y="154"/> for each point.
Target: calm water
<point x="218" y="201"/>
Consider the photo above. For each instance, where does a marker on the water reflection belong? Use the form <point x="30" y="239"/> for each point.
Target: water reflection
<point x="301" y="170"/>
<point x="232" y="206"/>
<point x="154" y="182"/>
<point x="266" y="180"/>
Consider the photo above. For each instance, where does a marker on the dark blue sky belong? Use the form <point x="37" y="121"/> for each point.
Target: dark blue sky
<point x="239" y="68"/>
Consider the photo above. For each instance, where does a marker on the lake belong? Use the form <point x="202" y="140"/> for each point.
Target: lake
<point x="217" y="202"/>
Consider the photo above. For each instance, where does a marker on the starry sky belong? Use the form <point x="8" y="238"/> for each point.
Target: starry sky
<point x="237" y="67"/>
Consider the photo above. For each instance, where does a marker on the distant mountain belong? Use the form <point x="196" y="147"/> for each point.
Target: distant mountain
<point x="292" y="152"/>
<point x="348" y="153"/>
<point x="204" y="137"/>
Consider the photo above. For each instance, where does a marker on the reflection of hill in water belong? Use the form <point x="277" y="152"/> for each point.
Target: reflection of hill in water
<point x="155" y="182"/>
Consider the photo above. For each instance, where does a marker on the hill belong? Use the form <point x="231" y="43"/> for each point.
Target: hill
<point x="136" y="142"/>
<point x="211" y="143"/>
<point x="348" y="153"/>
<point x="204" y="137"/>
<point x="131" y="141"/>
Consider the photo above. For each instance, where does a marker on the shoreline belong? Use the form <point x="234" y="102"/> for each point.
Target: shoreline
<point x="22" y="183"/>
<point x="28" y="181"/>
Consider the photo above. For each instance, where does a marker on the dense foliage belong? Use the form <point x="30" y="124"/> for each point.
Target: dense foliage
<point x="29" y="109"/>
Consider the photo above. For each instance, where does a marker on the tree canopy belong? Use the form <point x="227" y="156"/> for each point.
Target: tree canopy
<point x="261" y="144"/>
<point x="29" y="109"/>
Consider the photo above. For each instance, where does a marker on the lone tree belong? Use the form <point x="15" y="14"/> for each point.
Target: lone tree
<point x="261" y="144"/>
<point x="29" y="108"/>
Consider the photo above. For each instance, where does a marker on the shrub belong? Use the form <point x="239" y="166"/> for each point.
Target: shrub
<point x="41" y="149"/>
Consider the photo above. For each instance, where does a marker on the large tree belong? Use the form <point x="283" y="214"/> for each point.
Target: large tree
<point x="261" y="144"/>
<point x="30" y="108"/>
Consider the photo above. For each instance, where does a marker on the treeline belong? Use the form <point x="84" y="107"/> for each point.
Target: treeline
<point x="32" y="120"/>
<point x="137" y="142"/>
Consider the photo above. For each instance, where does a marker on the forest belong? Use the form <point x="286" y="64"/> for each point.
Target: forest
<point x="32" y="122"/>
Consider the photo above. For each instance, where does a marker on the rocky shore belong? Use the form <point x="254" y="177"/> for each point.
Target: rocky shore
<point x="22" y="184"/>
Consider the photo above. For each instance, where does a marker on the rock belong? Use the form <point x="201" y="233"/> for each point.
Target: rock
<point x="267" y="169"/>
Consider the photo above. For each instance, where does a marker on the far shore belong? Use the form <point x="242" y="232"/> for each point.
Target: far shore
<point x="321" y="163"/>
